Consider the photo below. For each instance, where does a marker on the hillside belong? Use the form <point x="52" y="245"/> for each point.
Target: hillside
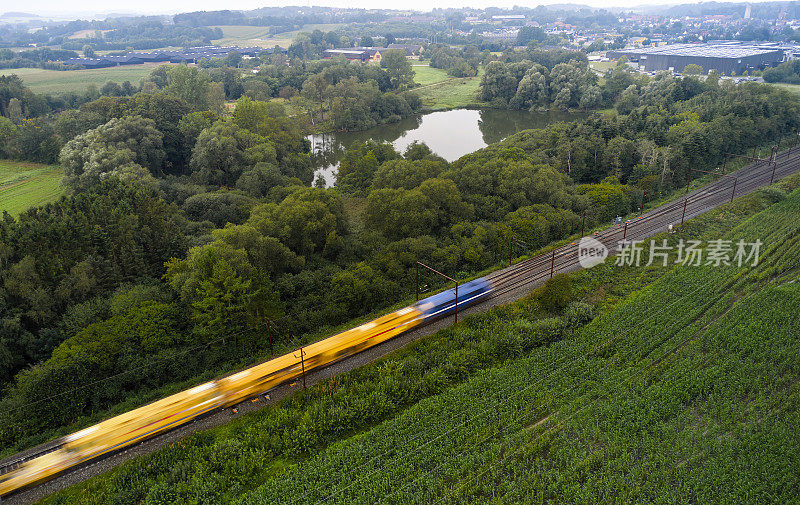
<point x="680" y="381"/>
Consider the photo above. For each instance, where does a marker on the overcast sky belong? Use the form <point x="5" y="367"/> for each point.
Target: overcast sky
<point x="44" y="7"/>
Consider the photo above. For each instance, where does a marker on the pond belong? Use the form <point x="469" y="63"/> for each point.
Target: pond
<point x="450" y="134"/>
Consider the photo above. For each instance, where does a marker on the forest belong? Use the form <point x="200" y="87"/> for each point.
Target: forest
<point x="188" y="226"/>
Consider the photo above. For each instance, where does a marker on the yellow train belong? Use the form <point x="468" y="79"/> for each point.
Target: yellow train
<point x="144" y="422"/>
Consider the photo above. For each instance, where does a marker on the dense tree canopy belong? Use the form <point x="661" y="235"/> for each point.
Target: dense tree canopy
<point x="107" y="149"/>
<point x="530" y="85"/>
<point x="64" y="254"/>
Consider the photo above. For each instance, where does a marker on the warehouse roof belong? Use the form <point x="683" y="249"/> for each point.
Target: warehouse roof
<point x="703" y="50"/>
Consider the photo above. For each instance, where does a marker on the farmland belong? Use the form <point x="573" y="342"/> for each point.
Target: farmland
<point x="466" y="415"/>
<point x="76" y="81"/>
<point x="25" y="185"/>
<point x="259" y="36"/>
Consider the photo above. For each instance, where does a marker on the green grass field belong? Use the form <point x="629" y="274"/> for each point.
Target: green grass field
<point x="425" y="75"/>
<point x="602" y="66"/>
<point x="439" y="91"/>
<point x="793" y="88"/>
<point x="25" y="185"/>
<point x="450" y="94"/>
<point x="55" y="81"/>
<point x="259" y="36"/>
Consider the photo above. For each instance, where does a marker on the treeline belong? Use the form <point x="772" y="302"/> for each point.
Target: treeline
<point x="143" y="32"/>
<point x="529" y="85"/>
<point x="665" y="126"/>
<point x="147" y="34"/>
<point x="312" y="45"/>
<point x="463" y="62"/>
<point x="276" y="79"/>
<point x="336" y="94"/>
<point x="539" y="79"/>
<point x="276" y="16"/>
<point x="42" y="57"/>
<point x="788" y="71"/>
<point x="332" y="95"/>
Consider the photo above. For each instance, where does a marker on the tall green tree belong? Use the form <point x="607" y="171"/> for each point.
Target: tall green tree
<point x="191" y="85"/>
<point x="399" y="68"/>
<point x="89" y="157"/>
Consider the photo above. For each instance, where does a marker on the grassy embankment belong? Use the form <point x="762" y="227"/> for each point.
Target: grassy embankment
<point x="439" y="91"/>
<point x="686" y="382"/>
<point x="24" y="185"/>
<point x="76" y="81"/>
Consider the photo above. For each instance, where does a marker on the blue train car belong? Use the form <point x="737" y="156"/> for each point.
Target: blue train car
<point x="442" y="304"/>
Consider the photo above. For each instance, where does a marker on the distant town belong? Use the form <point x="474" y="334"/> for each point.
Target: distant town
<point x="731" y="39"/>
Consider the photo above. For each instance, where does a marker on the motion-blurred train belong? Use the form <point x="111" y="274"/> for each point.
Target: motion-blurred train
<point x="137" y="425"/>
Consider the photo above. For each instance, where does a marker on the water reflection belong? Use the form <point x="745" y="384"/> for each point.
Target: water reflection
<point x="450" y="134"/>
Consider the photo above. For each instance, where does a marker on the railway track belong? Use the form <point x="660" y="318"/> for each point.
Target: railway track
<point x="510" y="283"/>
<point x="536" y="270"/>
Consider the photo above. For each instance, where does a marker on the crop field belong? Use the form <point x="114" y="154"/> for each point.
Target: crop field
<point x="76" y="81"/>
<point x="24" y="185"/>
<point x="712" y="422"/>
<point x="679" y="383"/>
<point x="259" y="35"/>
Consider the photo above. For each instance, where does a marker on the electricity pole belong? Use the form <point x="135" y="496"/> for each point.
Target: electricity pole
<point x="303" y="366"/>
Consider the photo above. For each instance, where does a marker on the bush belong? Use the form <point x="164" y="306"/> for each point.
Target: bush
<point x="556" y="293"/>
<point x="578" y="314"/>
<point x="220" y="208"/>
<point x="774" y="195"/>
